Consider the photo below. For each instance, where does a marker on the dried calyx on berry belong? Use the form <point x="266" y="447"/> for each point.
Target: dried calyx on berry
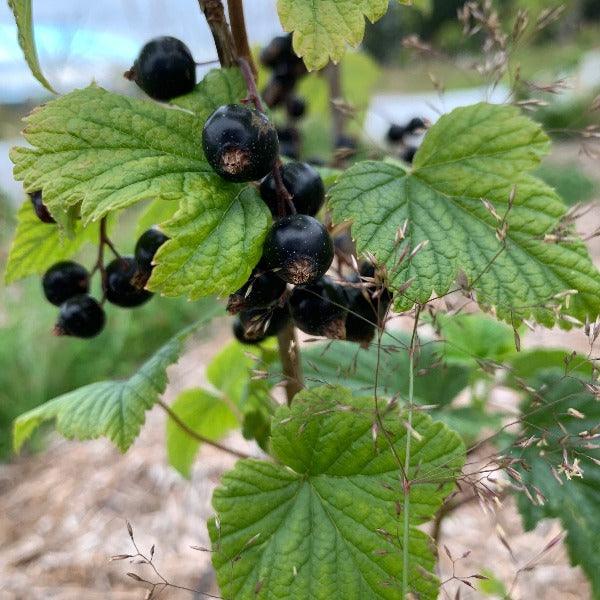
<point x="304" y="184"/>
<point x="40" y="209"/>
<point x="80" y="316"/>
<point x="262" y="289"/>
<point x="320" y="308"/>
<point x="240" y="143"/>
<point x="298" y="248"/>
<point x="120" y="288"/>
<point x="64" y="280"/>
<point x="164" y="69"/>
<point x="255" y="325"/>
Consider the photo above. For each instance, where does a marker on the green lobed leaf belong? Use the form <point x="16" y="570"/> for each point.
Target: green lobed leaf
<point x="476" y="152"/>
<point x="576" y="501"/>
<point x="115" y="409"/>
<point x="218" y="87"/>
<point x="207" y="415"/>
<point x="23" y="18"/>
<point x="216" y="239"/>
<point x="106" y="151"/>
<point x="323" y="28"/>
<point x="323" y="524"/>
<point x="36" y="246"/>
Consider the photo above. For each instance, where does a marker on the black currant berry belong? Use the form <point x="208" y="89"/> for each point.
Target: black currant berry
<point x="274" y="93"/>
<point x="277" y="51"/>
<point x="319" y="308"/>
<point x="296" y="107"/>
<point x="260" y="291"/>
<point x="240" y="143"/>
<point x="408" y="154"/>
<point x="40" y="208"/>
<point x="345" y="142"/>
<point x="80" y="316"/>
<point x="146" y="246"/>
<point x="120" y="289"/>
<point x="414" y="125"/>
<point x="298" y="248"/>
<point x="255" y="325"/>
<point x="304" y="184"/>
<point x="395" y="133"/>
<point x="65" y="280"/>
<point x="164" y="69"/>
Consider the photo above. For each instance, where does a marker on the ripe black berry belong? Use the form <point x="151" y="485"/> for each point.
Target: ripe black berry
<point x="40" y="208"/>
<point x="119" y="287"/>
<point x="260" y="291"/>
<point x="164" y="69"/>
<point x="299" y="248"/>
<point x="415" y="124"/>
<point x="296" y="107"/>
<point x="304" y="184"/>
<point x="395" y="133"/>
<point x="80" y="316"/>
<point x="65" y="280"/>
<point x="146" y="246"/>
<point x="278" y="50"/>
<point x="320" y="308"/>
<point x="253" y="326"/>
<point x="408" y="154"/>
<point x="345" y="142"/>
<point x="289" y="142"/>
<point x="240" y="143"/>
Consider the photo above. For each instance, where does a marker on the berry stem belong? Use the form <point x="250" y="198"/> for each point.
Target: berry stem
<point x="235" y="8"/>
<point x="215" y="17"/>
<point x="100" y="260"/>
<point x="289" y="355"/>
<point x="197" y="436"/>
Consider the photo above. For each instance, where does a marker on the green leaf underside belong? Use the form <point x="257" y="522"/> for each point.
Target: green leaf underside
<point x="323" y="524"/>
<point x="218" y="87"/>
<point x="107" y="152"/>
<point x="115" y="409"/>
<point x="36" y="246"/>
<point x="576" y="502"/>
<point x="476" y="152"/>
<point x="203" y="412"/>
<point x="323" y="28"/>
<point x="216" y="239"/>
<point x="23" y="18"/>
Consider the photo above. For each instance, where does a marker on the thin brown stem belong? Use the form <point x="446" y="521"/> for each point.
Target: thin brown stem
<point x="289" y="354"/>
<point x="215" y="17"/>
<point x="237" y="22"/>
<point x="197" y="436"/>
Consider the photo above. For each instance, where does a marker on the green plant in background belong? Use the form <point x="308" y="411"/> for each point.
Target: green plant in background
<point x="376" y="425"/>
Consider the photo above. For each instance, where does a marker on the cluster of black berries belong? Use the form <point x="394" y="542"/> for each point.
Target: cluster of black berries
<point x="67" y="284"/>
<point x="286" y="70"/>
<point x="397" y="135"/>
<point x="241" y="145"/>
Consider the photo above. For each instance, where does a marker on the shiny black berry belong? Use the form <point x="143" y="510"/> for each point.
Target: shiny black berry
<point x="304" y="184"/>
<point x="146" y="246"/>
<point x="164" y="69"/>
<point x="40" y="208"/>
<point x="298" y="248"/>
<point x="277" y="51"/>
<point x="408" y="154"/>
<point x="255" y="325"/>
<point x="240" y="143"/>
<point x="120" y="287"/>
<point x="395" y="133"/>
<point x="80" y="316"/>
<point x="65" y="280"/>
<point x="296" y="107"/>
<point x="320" y="308"/>
<point x="262" y="289"/>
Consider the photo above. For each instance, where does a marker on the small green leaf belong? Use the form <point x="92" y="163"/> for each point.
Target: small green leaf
<point x="323" y="28"/>
<point x="105" y="152"/>
<point x="216" y="239"/>
<point x="558" y="413"/>
<point x="115" y="409"/>
<point x="36" y="246"/>
<point x="23" y="18"/>
<point x="218" y="87"/>
<point x="324" y="524"/>
<point x="448" y="230"/>
<point x="204" y="413"/>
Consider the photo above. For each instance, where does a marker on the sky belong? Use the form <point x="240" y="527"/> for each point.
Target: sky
<point x="80" y="41"/>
